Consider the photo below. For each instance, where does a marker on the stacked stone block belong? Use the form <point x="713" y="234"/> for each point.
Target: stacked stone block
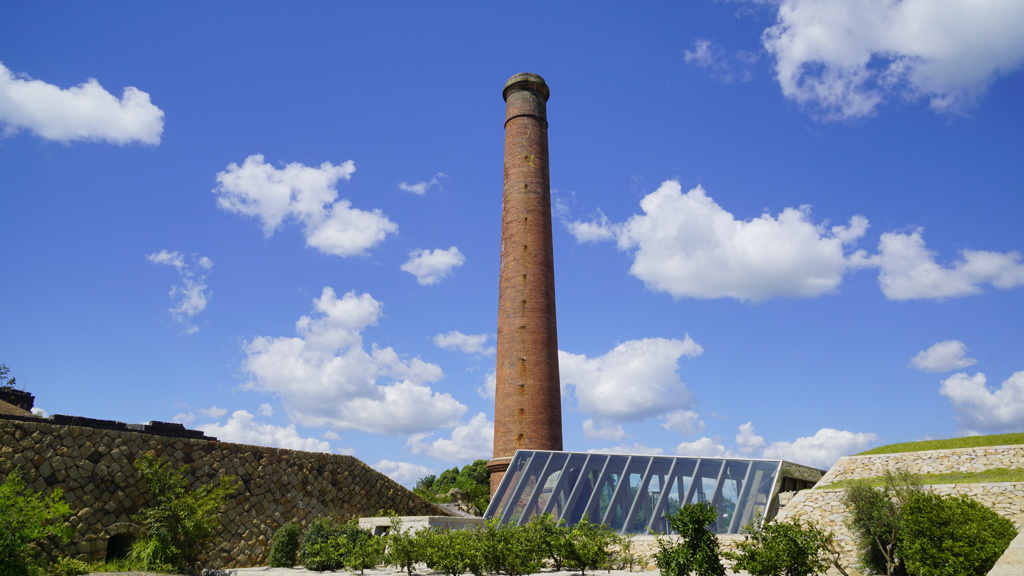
<point x="95" y="468"/>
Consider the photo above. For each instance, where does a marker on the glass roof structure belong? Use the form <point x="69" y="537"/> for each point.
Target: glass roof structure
<point x="632" y="494"/>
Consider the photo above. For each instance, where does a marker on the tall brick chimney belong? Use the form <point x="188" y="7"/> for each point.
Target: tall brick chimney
<point x="527" y="398"/>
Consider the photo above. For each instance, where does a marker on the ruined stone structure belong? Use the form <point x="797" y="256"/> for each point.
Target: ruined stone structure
<point x="528" y="403"/>
<point x="92" y="461"/>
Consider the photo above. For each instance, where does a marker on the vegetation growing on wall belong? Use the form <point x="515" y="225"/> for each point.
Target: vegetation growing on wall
<point x="473" y="480"/>
<point x="965" y="442"/>
<point x="26" y="518"/>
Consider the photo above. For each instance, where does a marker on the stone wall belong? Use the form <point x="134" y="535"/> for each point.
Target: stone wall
<point x="824" y="506"/>
<point x="95" y="469"/>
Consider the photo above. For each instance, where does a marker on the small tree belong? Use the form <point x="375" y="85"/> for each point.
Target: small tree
<point x="952" y="536"/>
<point x="588" y="545"/>
<point x="696" y="550"/>
<point x="875" y="517"/>
<point x="551" y="536"/>
<point x="284" y="546"/>
<point x="789" y="548"/>
<point x="509" y="549"/>
<point x="27" y="517"/>
<point x="319" y="550"/>
<point x="5" y="382"/>
<point x="404" y="549"/>
<point x="182" y="520"/>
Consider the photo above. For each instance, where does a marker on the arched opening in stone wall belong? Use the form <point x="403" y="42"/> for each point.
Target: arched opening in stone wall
<point x="119" y="545"/>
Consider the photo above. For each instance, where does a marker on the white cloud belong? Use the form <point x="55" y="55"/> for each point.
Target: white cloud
<point x="307" y="195"/>
<point x="468" y="442"/>
<point x="267" y="410"/>
<point x="909" y="270"/>
<point x="821" y="450"/>
<point x="688" y="246"/>
<point x="421" y="188"/>
<point x="685" y="422"/>
<point x="709" y="57"/>
<point x="943" y="357"/>
<point x="486" y="389"/>
<point x="432" y="266"/>
<point x="603" y="431"/>
<point x="747" y="441"/>
<point x="325" y="376"/>
<point x="634" y="380"/>
<point x="213" y="411"/>
<point x="405" y="473"/>
<point x="84" y="112"/>
<point x="191" y="296"/>
<point x="597" y="230"/>
<point x="978" y="409"/>
<point x="702" y="447"/>
<point x="468" y="343"/>
<point x="636" y="448"/>
<point x="242" y="428"/>
<point x="843" y="59"/>
<point x="185" y="418"/>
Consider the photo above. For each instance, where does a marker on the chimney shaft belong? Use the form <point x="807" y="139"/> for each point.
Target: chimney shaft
<point x="527" y="403"/>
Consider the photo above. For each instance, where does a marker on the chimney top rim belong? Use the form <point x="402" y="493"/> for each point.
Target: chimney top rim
<point x="526" y="81"/>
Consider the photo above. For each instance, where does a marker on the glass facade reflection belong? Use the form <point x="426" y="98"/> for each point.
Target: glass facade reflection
<point x="632" y="493"/>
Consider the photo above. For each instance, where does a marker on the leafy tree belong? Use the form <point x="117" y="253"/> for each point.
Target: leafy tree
<point x="875" y="517"/>
<point x="697" y="549"/>
<point x="26" y="517"/>
<point x="789" y="548"/>
<point x="451" y="552"/>
<point x="5" y="382"/>
<point x="510" y="549"/>
<point x="181" y="522"/>
<point x="404" y="549"/>
<point x="551" y="536"/>
<point x="360" y="549"/>
<point x="952" y="536"/>
<point x="589" y="545"/>
<point x="284" y="546"/>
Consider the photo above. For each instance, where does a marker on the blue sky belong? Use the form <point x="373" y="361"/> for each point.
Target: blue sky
<point x="782" y="229"/>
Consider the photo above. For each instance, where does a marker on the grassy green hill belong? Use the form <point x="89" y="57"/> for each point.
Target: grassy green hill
<point x="965" y="442"/>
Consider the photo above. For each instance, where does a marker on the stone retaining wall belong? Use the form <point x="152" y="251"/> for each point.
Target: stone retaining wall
<point x="824" y="506"/>
<point x="95" y="469"/>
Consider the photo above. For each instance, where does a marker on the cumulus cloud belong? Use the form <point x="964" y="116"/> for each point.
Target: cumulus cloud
<point x="405" y="473"/>
<point x="420" y="188"/>
<point x="593" y="430"/>
<point x="468" y="343"/>
<point x="307" y="195"/>
<point x="191" y="296"/>
<point x="821" y="450"/>
<point x="84" y="112"/>
<point x="325" y="375"/>
<point x="747" y="442"/>
<point x="702" y="447"/>
<point x="908" y="270"/>
<point x="268" y="410"/>
<point x="633" y="381"/>
<point x="432" y="266"/>
<point x="242" y="428"/>
<point x="943" y="357"/>
<point x="979" y="409"/>
<point x="685" y="422"/>
<point x="636" y="448"/>
<point x="689" y="246"/>
<point x="843" y="59"/>
<point x="486" y="389"/>
<point x="213" y="411"/>
<point x="471" y="441"/>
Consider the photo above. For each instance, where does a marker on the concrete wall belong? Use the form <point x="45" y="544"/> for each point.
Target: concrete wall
<point x="95" y="469"/>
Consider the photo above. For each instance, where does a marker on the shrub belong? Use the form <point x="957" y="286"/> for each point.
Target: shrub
<point x="360" y="549"/>
<point x="27" y="517"/>
<point x="404" y="548"/>
<point x="181" y="522"/>
<point x="64" y="566"/>
<point x="952" y="536"/>
<point x="789" y="548"/>
<point x="284" y="546"/>
<point x="696" y="549"/>
<point x="451" y="552"/>
<point x="588" y="545"/>
<point x="510" y="549"/>
<point x="319" y="551"/>
<point x="551" y="536"/>
<point x="875" y="517"/>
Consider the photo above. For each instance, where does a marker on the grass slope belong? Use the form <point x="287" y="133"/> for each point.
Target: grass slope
<point x="965" y="442"/>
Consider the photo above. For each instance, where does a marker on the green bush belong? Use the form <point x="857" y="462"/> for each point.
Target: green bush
<point x="284" y="546"/>
<point x="589" y="546"/>
<point x="875" y="517"/>
<point x="27" y="517"/>
<point x="64" y="566"/>
<point x="551" y="536"/>
<point x="696" y="550"/>
<point x="404" y="548"/>
<point x="180" y="524"/>
<point x="789" y="548"/>
<point x="451" y="552"/>
<point x="510" y="549"/>
<point x="360" y="549"/>
<point x="952" y="536"/>
<point x="473" y="479"/>
<point x="319" y="550"/>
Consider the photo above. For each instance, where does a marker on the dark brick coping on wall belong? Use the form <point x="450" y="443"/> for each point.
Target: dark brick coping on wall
<point x="170" y="429"/>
